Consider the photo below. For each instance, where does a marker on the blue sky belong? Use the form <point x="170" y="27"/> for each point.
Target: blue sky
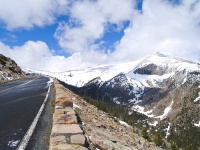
<point x="58" y="35"/>
<point x="18" y="37"/>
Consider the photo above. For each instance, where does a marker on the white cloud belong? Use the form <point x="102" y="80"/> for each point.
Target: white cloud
<point x="162" y="26"/>
<point x="37" y="55"/>
<point x="30" y="13"/>
<point x="88" y="23"/>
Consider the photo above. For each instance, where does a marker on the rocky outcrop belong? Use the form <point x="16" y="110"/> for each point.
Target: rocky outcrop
<point x="95" y="129"/>
<point x="9" y="70"/>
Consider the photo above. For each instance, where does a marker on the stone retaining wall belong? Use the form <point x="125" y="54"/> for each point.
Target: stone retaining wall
<point x="66" y="132"/>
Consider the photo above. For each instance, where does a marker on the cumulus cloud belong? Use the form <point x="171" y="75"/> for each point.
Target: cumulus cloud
<point x="165" y="27"/>
<point x="29" y="13"/>
<point x="88" y="21"/>
<point x="37" y="55"/>
<point x="170" y="28"/>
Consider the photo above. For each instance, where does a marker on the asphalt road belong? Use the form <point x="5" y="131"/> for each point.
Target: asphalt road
<point x="20" y="102"/>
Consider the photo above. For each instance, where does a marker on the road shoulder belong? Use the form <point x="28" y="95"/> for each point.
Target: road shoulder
<point x="40" y="137"/>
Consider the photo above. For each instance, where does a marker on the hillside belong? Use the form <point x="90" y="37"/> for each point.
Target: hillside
<point x="9" y="70"/>
<point x="89" y="127"/>
<point x="158" y="94"/>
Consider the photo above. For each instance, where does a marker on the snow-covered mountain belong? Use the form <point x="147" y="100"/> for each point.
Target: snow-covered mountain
<point x="150" y="72"/>
<point x="162" y="67"/>
<point x="133" y="82"/>
<point x="165" y="89"/>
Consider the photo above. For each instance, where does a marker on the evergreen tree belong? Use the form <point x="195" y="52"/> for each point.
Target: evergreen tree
<point x="174" y="146"/>
<point x="145" y="134"/>
<point x="158" y="139"/>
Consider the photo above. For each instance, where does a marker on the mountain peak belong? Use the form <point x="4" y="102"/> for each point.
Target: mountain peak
<point x="159" y="54"/>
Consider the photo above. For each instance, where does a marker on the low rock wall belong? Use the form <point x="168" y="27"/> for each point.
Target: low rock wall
<point x="66" y="132"/>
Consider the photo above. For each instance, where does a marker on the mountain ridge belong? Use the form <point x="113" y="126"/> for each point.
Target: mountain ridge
<point x="165" y="89"/>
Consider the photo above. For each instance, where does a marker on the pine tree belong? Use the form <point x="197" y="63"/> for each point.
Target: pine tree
<point x="145" y="134"/>
<point x="174" y="146"/>
<point x="158" y="139"/>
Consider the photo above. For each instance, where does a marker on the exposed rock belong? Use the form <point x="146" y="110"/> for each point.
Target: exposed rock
<point x="108" y="145"/>
<point x="58" y="139"/>
<point x="9" y="70"/>
<point x="66" y="119"/>
<point x="66" y="129"/>
<point x="65" y="146"/>
<point x="63" y="102"/>
<point x="67" y="111"/>
<point x="78" y="139"/>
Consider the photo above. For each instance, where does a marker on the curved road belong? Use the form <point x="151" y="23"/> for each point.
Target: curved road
<point x="20" y="102"/>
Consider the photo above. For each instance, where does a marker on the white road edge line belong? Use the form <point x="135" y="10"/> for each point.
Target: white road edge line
<point x="29" y="133"/>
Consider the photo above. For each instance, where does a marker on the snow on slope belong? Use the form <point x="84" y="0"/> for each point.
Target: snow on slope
<point x="4" y="75"/>
<point x="166" y="111"/>
<point x="106" y="72"/>
<point x="137" y="81"/>
<point x="171" y="65"/>
<point x="81" y="77"/>
<point x="146" y="79"/>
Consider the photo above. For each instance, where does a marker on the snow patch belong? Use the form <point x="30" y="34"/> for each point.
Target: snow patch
<point x="123" y="123"/>
<point x="168" y="128"/>
<point x="153" y="79"/>
<point x="50" y="81"/>
<point x="198" y="98"/>
<point x="13" y="143"/>
<point x="140" y="109"/>
<point x="115" y="100"/>
<point x="197" y="124"/>
<point x="166" y="111"/>
<point x="153" y="124"/>
<point x="184" y="80"/>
